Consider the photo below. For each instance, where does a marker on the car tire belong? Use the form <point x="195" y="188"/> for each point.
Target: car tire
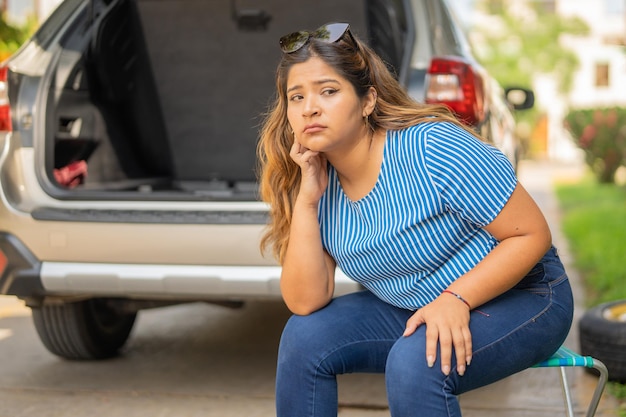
<point x="88" y="329"/>
<point x="602" y="333"/>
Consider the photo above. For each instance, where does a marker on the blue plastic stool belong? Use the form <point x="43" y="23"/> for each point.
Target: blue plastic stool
<point x="565" y="357"/>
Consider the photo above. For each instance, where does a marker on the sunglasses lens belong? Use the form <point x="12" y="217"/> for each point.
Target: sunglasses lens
<point x="330" y="33"/>
<point x="293" y="41"/>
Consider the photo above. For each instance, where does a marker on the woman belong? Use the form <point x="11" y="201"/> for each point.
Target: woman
<point x="411" y="204"/>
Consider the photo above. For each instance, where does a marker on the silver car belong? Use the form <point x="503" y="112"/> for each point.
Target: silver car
<point x="128" y="134"/>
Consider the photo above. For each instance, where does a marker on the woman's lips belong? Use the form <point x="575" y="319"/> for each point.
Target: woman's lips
<point x="314" y="128"/>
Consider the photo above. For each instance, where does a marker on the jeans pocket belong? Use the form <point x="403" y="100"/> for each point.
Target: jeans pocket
<point x="535" y="281"/>
<point x="547" y="273"/>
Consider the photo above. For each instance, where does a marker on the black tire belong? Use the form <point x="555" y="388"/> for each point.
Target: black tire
<point x="87" y="329"/>
<point x="602" y="332"/>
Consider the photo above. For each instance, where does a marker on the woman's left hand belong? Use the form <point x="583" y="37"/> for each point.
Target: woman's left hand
<point x="447" y="323"/>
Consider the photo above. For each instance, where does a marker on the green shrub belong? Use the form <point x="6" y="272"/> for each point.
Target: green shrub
<point x="593" y="218"/>
<point x="12" y="37"/>
<point x="601" y="134"/>
<point x="594" y="222"/>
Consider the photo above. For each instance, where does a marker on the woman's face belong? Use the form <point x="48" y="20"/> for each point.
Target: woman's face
<point x="323" y="108"/>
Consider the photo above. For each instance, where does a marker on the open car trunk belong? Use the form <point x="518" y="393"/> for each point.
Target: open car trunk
<point x="165" y="97"/>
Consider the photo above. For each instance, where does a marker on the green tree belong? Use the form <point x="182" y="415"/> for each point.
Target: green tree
<point x="515" y="46"/>
<point x="601" y="134"/>
<point x="12" y="37"/>
<point x="524" y="45"/>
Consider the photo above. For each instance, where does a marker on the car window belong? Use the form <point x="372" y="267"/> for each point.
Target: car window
<point x="445" y="40"/>
<point x="388" y="31"/>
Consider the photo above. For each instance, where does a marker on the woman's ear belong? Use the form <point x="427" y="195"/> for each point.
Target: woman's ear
<point x="369" y="101"/>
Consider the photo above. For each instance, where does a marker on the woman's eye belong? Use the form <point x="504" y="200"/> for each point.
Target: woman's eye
<point x="329" y="91"/>
<point x="295" y="97"/>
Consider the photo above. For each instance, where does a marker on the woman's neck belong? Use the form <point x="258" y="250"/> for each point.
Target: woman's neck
<point x="358" y="167"/>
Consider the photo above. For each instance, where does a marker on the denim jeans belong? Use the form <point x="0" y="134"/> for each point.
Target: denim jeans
<point x="360" y="333"/>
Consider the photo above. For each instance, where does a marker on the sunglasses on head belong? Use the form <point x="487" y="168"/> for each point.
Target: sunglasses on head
<point x="329" y="33"/>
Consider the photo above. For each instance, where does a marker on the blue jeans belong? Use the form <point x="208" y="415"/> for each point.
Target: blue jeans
<point x="360" y="333"/>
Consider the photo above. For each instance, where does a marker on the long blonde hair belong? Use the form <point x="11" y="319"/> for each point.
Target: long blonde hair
<point x="279" y="175"/>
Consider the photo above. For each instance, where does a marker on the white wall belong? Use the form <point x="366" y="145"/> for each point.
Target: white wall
<point x="590" y="53"/>
<point x="607" y="20"/>
<point x="605" y="17"/>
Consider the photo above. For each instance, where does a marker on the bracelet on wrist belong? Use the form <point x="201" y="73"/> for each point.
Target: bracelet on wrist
<point x="459" y="297"/>
<point x="465" y="302"/>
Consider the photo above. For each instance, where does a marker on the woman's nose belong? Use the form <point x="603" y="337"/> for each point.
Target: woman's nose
<point x="311" y="107"/>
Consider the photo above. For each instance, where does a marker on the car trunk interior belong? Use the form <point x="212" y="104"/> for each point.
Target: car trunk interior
<point x="166" y="97"/>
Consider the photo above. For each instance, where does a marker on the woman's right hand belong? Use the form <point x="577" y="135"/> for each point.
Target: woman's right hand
<point x="314" y="173"/>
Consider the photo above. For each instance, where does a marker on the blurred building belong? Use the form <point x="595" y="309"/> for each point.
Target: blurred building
<point x="601" y="79"/>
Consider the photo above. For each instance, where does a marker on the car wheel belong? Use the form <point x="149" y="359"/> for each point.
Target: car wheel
<point x="602" y="332"/>
<point x="88" y="329"/>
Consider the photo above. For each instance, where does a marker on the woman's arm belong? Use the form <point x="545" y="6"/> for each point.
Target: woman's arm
<point x="308" y="274"/>
<point x="524" y="238"/>
<point x="308" y="271"/>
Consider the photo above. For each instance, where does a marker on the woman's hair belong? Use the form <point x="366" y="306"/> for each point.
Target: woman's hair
<point x="279" y="175"/>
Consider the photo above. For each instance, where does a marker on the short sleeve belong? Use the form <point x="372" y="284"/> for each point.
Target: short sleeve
<point x="473" y="178"/>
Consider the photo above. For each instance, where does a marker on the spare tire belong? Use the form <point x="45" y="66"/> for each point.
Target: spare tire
<point x="602" y="333"/>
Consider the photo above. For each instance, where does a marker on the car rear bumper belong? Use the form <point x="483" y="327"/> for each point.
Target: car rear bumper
<point x="195" y="282"/>
<point x="178" y="281"/>
<point x="19" y="269"/>
<point x="23" y="275"/>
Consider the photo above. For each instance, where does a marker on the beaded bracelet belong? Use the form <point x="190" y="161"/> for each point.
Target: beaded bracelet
<point x="459" y="297"/>
<point x="465" y="302"/>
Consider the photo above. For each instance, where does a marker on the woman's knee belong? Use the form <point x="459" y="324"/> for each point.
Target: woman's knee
<point x="413" y="385"/>
<point x="407" y="364"/>
<point x="298" y="338"/>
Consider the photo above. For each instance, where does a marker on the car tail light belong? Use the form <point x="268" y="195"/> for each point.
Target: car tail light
<point x="3" y="262"/>
<point x="456" y="83"/>
<point x="5" y="110"/>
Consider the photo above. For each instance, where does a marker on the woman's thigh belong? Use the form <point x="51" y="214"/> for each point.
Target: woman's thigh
<point x="535" y="329"/>
<point x="519" y="328"/>
<point x="352" y="334"/>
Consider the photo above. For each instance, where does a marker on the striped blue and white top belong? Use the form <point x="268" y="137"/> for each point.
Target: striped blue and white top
<point x="420" y="228"/>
